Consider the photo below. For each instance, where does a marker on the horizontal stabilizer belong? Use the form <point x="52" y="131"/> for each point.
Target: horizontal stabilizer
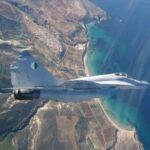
<point x="6" y="90"/>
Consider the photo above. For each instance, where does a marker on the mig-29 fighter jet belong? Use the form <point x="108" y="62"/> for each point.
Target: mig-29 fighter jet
<point x="30" y="80"/>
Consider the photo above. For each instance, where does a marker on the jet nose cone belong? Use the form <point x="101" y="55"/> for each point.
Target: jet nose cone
<point x="146" y="84"/>
<point x="143" y="85"/>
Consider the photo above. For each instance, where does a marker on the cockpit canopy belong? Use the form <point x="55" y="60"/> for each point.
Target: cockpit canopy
<point x="121" y="74"/>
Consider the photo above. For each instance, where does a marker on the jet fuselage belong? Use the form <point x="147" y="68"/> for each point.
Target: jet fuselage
<point x="83" y="88"/>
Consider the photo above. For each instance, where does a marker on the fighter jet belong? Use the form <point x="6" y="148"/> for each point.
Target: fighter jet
<point x="31" y="80"/>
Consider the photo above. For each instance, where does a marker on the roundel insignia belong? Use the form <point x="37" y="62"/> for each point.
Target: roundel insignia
<point x="34" y="65"/>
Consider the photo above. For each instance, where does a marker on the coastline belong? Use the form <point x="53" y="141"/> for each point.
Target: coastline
<point x="122" y="134"/>
<point x="87" y="72"/>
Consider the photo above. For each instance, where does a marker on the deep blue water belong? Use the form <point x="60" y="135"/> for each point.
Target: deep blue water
<point x="122" y="44"/>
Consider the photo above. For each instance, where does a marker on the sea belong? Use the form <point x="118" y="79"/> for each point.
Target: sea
<point x="122" y="44"/>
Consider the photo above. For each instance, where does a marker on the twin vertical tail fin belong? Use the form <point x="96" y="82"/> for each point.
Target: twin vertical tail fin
<point x="28" y="73"/>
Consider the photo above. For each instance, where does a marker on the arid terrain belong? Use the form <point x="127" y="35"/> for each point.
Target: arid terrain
<point x="54" y="31"/>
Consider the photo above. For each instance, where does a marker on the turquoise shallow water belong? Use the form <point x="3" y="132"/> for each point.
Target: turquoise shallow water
<point x="97" y="48"/>
<point x="122" y="45"/>
<point x="97" y="54"/>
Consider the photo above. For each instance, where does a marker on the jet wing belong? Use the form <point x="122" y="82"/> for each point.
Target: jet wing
<point x="115" y="84"/>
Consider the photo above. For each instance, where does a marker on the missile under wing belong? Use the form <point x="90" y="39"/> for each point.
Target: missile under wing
<point x="31" y="80"/>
